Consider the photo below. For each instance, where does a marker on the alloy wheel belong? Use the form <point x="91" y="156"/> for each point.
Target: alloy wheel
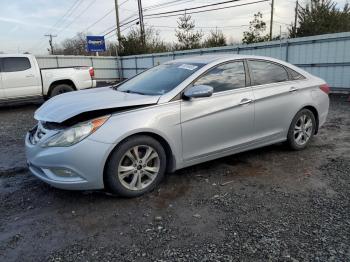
<point x="303" y="129"/>
<point x="138" y="167"/>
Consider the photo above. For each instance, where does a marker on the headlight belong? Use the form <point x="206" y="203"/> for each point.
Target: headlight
<point x="75" y="134"/>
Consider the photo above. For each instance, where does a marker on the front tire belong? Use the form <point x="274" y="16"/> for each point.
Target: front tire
<point x="301" y="130"/>
<point x="135" y="167"/>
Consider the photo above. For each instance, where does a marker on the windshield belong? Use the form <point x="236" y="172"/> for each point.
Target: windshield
<point x="160" y="79"/>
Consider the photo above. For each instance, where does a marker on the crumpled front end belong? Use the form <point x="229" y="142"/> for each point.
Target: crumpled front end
<point x="77" y="167"/>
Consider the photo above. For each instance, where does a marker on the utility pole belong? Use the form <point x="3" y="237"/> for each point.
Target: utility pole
<point x="142" y="26"/>
<point x="50" y="41"/>
<point x="119" y="36"/>
<point x="271" y="20"/>
<point x="296" y="18"/>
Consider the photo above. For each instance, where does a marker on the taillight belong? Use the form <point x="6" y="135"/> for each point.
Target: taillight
<point x="325" y="88"/>
<point x="92" y="72"/>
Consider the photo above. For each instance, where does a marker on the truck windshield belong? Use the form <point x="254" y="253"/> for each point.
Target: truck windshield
<point x="160" y="79"/>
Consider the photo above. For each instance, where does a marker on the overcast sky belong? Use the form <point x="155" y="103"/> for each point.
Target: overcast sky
<point x="23" y="23"/>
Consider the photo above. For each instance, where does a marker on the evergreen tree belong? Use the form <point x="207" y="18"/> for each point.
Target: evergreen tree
<point x="186" y="36"/>
<point x="321" y="17"/>
<point x="256" y="32"/>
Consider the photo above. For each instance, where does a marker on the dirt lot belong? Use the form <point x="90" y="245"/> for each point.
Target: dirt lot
<point x="267" y="204"/>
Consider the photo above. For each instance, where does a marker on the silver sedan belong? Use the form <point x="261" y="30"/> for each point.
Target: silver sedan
<point x="124" y="138"/>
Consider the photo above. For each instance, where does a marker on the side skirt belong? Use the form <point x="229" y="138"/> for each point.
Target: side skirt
<point x="232" y="151"/>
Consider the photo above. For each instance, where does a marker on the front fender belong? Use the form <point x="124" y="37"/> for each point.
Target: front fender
<point x="161" y="120"/>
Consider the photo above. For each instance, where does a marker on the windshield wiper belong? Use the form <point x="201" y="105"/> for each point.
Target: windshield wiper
<point x="115" y="87"/>
<point x="131" y="92"/>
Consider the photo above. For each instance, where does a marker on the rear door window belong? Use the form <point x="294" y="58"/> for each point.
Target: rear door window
<point x="15" y="64"/>
<point x="264" y="72"/>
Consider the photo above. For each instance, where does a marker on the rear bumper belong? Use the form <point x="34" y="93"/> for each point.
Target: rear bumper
<point x="323" y="111"/>
<point x="94" y="83"/>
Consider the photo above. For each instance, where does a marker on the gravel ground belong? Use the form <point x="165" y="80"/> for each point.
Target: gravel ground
<point x="267" y="204"/>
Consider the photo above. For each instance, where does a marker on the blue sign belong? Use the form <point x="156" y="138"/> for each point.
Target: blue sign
<point x="96" y="43"/>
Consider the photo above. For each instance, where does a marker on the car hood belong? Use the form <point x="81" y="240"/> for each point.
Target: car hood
<point x="66" y="106"/>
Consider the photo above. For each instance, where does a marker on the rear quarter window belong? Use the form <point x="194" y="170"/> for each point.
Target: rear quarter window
<point x="295" y="75"/>
<point x="15" y="64"/>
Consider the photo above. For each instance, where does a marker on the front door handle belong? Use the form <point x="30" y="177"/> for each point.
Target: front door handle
<point x="293" y="89"/>
<point x="245" y="101"/>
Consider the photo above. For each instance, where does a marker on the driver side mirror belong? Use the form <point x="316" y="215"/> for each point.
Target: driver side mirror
<point x="198" y="91"/>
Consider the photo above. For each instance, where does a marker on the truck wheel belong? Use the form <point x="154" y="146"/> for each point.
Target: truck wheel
<point x="61" y="89"/>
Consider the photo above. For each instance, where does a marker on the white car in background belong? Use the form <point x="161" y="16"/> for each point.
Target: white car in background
<point x="21" y="79"/>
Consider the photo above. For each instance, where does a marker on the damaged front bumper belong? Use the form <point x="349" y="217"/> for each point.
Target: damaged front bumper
<point x="77" y="167"/>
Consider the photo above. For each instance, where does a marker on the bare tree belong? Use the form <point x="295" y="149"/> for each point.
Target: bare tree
<point x="216" y="38"/>
<point x="73" y="46"/>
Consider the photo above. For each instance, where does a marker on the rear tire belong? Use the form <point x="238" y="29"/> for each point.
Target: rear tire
<point x="135" y="167"/>
<point x="61" y="89"/>
<point x="301" y="130"/>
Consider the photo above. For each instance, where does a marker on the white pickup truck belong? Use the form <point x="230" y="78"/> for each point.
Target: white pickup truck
<point x="21" y="79"/>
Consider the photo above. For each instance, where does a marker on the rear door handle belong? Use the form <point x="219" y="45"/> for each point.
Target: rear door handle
<point x="245" y="101"/>
<point x="293" y="89"/>
<point x="30" y="75"/>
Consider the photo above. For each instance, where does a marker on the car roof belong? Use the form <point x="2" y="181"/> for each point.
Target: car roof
<point x="207" y="59"/>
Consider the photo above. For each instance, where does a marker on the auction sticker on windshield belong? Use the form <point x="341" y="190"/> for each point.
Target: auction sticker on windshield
<point x="188" y="67"/>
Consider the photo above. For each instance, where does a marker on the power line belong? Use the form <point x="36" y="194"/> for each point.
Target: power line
<point x="209" y="10"/>
<point x="106" y="38"/>
<point x="78" y="16"/>
<point x="104" y="16"/>
<point x="61" y="23"/>
<point x="108" y="30"/>
<point x="193" y="8"/>
<point x="123" y="3"/>
<point x="122" y="21"/>
<point x="193" y="12"/>
<point x="167" y="4"/>
<point x="204" y="27"/>
<point x="278" y="22"/>
<point x="114" y="28"/>
<point x="162" y="4"/>
<point x="68" y="13"/>
<point x="127" y="28"/>
<point x="100" y="19"/>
